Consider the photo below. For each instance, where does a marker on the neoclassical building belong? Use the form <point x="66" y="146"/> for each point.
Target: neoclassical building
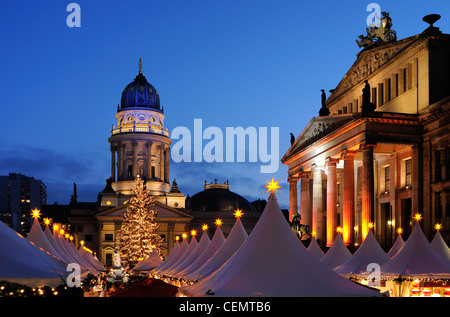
<point x="378" y="152"/>
<point x="140" y="146"/>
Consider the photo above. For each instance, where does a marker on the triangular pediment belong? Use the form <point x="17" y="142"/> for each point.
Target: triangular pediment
<point x="368" y="62"/>
<point x="164" y="212"/>
<point x="316" y="129"/>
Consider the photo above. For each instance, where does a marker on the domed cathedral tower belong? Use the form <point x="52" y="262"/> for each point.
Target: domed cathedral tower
<point x="140" y="146"/>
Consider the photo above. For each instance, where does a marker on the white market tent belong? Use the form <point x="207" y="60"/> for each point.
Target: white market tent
<point x="37" y="236"/>
<point x="173" y="257"/>
<point x="187" y="251"/>
<point x="216" y="242"/>
<point x="75" y="256"/>
<point x="369" y="252"/>
<point x="315" y="249"/>
<point x="336" y="254"/>
<point x="438" y="244"/>
<point x="417" y="259"/>
<point x="194" y="255"/>
<point x="88" y="257"/>
<point x="273" y="262"/>
<point x="152" y="261"/>
<point x="51" y="239"/>
<point x="24" y="263"/>
<point x="398" y="244"/>
<point x="233" y="242"/>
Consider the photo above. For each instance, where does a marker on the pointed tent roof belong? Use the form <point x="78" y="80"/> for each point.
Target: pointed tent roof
<point x="233" y="242"/>
<point x="273" y="262"/>
<point x="50" y="237"/>
<point x="152" y="261"/>
<point x="336" y="254"/>
<point x="398" y="244"/>
<point x="314" y="249"/>
<point x="417" y="259"/>
<point x="24" y="263"/>
<point x="173" y="257"/>
<point x="216" y="242"/>
<point x="438" y="244"/>
<point x="190" y="248"/>
<point x="201" y="247"/>
<point x="368" y="252"/>
<point x="38" y="237"/>
<point x="88" y="257"/>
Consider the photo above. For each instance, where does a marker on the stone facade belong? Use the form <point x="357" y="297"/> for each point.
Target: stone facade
<point x="380" y="167"/>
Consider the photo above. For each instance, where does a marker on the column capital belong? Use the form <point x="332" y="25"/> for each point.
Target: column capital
<point x="304" y="175"/>
<point x="293" y="178"/>
<point x="330" y="160"/>
<point x="366" y="146"/>
<point x="348" y="154"/>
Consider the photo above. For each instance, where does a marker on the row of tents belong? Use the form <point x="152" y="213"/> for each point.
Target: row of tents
<point x="43" y="258"/>
<point x="271" y="261"/>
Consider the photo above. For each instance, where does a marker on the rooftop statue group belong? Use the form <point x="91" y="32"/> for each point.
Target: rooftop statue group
<point x="382" y="32"/>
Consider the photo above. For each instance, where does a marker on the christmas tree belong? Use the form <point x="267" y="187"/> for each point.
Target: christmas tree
<point x="139" y="237"/>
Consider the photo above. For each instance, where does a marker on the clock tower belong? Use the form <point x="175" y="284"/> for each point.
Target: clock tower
<point x="140" y="147"/>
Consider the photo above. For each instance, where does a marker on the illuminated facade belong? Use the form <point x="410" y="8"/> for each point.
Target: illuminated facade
<point x="140" y="146"/>
<point x="379" y="151"/>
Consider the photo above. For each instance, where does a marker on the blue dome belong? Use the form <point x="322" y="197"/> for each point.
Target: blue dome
<point x="140" y="94"/>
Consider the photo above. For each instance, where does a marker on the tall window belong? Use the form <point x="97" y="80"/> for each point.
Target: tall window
<point x="396" y="84"/>
<point x="404" y="79"/>
<point x="408" y="173"/>
<point x="437" y="166"/>
<point x="387" y="180"/>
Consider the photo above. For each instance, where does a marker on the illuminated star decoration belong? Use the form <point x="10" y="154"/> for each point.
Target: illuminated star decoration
<point x="272" y="186"/>
<point x="417" y="217"/>
<point x="400" y="230"/>
<point x="218" y="222"/>
<point x="204" y="227"/>
<point x="370" y="225"/>
<point x="47" y="221"/>
<point x="438" y="226"/>
<point x="36" y="213"/>
<point x="238" y="213"/>
<point x="193" y="233"/>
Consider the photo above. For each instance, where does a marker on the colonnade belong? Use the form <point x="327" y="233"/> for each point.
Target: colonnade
<point x="322" y="218"/>
<point x="140" y="161"/>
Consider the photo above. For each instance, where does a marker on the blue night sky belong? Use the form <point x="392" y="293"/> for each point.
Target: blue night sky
<point x="230" y="63"/>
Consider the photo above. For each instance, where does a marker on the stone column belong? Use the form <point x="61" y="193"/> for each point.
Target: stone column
<point x="161" y="162"/>
<point x="135" y="167"/>
<point x="348" y="210"/>
<point x="293" y="193"/>
<point x="417" y="189"/>
<point x="166" y="165"/>
<point x="317" y="204"/>
<point x="113" y="163"/>
<point x="149" y="160"/>
<point x="368" y="208"/>
<point x="331" y="200"/>
<point x="305" y="205"/>
<point x="120" y="163"/>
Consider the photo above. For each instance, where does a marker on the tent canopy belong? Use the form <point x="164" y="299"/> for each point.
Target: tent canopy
<point x="273" y="262"/>
<point x="417" y="259"/>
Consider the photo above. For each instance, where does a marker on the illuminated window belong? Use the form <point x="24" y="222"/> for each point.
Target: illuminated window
<point x="408" y="173"/>
<point x="387" y="180"/>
